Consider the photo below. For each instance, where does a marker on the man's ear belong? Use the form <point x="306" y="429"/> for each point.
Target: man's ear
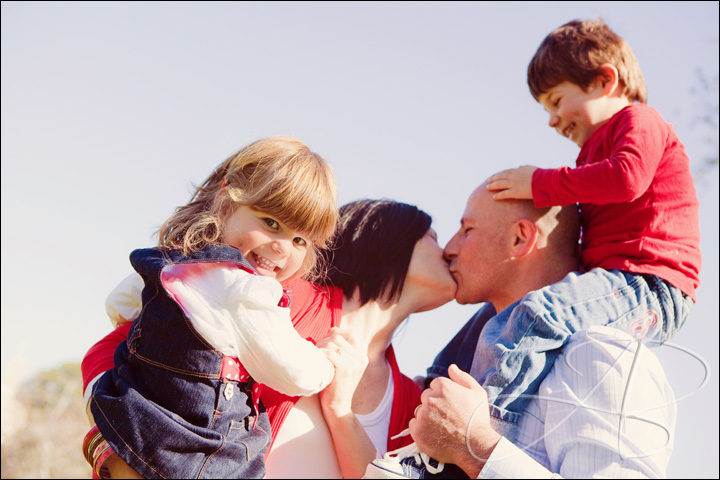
<point x="608" y="79"/>
<point x="525" y="235"/>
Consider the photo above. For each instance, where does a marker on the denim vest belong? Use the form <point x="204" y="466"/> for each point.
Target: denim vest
<point x="165" y="408"/>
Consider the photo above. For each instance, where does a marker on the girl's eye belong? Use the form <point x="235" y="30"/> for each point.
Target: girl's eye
<point x="300" y="241"/>
<point x="556" y="102"/>
<point x="272" y="223"/>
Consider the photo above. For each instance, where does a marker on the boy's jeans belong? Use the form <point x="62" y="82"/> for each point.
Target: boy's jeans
<point x="517" y="347"/>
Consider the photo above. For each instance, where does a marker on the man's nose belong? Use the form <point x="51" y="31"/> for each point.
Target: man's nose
<point x="450" y="250"/>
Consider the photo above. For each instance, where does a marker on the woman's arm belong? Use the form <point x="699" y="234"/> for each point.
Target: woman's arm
<point x="353" y="447"/>
<point x="99" y="359"/>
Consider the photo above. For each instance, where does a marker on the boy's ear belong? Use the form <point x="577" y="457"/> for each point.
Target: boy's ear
<point x="608" y="78"/>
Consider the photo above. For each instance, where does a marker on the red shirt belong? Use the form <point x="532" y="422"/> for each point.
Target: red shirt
<point x="638" y="206"/>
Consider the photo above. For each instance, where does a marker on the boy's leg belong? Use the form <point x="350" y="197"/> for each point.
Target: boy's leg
<point x="517" y="347"/>
<point x="675" y="308"/>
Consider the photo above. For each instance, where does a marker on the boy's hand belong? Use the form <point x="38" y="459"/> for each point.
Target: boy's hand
<point x="513" y="183"/>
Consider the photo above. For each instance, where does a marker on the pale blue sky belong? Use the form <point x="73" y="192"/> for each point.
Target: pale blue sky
<point x="111" y="110"/>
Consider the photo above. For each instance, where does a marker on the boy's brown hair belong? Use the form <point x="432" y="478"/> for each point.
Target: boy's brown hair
<point x="575" y="51"/>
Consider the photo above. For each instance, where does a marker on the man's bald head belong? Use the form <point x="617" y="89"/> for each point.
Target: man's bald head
<point x="505" y="248"/>
<point x="558" y="227"/>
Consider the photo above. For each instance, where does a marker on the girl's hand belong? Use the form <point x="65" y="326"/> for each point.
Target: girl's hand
<point x="513" y="183"/>
<point x="350" y="364"/>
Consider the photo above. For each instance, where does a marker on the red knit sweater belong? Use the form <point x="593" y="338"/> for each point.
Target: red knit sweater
<point x="639" y="209"/>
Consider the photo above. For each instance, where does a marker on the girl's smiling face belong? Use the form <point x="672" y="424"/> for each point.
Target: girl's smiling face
<point x="273" y="249"/>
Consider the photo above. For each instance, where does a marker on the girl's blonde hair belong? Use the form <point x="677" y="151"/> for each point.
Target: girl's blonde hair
<point x="280" y="176"/>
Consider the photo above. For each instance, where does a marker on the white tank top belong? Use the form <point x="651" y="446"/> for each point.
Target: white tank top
<point x="377" y="422"/>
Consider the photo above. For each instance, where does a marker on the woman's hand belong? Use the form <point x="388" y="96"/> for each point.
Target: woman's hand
<point x="350" y="364"/>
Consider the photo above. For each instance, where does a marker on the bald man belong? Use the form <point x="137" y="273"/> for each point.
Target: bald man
<point x="511" y="255"/>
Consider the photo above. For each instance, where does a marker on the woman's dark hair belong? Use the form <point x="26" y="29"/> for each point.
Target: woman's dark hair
<point x="372" y="247"/>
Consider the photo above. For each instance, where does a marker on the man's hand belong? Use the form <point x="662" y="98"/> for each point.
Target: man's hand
<point x="441" y="422"/>
<point x="513" y="183"/>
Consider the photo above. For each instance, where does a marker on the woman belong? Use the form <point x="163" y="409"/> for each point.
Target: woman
<point x="386" y="264"/>
<point x="383" y="265"/>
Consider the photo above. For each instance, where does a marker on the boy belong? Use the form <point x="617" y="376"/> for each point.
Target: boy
<point x="640" y="240"/>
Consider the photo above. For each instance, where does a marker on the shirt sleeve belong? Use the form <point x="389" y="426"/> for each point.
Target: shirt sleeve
<point x="238" y="314"/>
<point x="619" y="173"/>
<point x="606" y="410"/>
<point x="124" y="303"/>
<point x="509" y="461"/>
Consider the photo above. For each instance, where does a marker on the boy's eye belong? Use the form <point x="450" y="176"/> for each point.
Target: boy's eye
<point x="300" y="241"/>
<point x="272" y="223"/>
<point x="556" y="103"/>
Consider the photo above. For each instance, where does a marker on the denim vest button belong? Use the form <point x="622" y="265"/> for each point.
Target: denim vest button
<point x="229" y="391"/>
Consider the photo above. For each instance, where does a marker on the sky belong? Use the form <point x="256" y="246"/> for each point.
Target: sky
<point x="112" y="111"/>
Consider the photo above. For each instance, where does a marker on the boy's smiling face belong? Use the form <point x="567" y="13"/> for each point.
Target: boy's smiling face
<point x="576" y="113"/>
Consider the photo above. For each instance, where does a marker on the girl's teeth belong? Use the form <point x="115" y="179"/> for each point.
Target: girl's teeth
<point x="264" y="263"/>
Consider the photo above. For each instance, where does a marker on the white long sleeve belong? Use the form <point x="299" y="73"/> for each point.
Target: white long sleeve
<point x="125" y="301"/>
<point x="237" y="313"/>
<point x="605" y="410"/>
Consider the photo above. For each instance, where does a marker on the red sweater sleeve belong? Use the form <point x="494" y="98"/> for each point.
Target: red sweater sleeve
<point x="617" y="164"/>
<point x="100" y="356"/>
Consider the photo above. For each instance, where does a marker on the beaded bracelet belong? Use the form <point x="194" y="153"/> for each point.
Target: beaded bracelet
<point x="96" y="451"/>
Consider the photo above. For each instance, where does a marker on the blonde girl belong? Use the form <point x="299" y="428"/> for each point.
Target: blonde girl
<point x="213" y="329"/>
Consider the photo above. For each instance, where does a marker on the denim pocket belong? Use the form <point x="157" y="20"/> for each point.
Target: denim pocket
<point x="242" y="453"/>
<point x="256" y="440"/>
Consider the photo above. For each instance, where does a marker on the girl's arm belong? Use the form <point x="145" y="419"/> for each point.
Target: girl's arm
<point x="124" y="303"/>
<point x="238" y="314"/>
